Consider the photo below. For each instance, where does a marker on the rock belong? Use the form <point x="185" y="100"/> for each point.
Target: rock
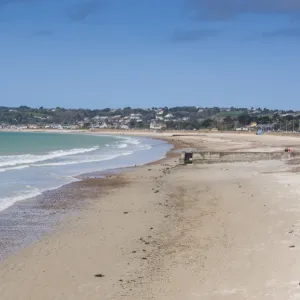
<point x="144" y="258"/>
<point x="292" y="246"/>
<point x="157" y="191"/>
<point x="99" y="275"/>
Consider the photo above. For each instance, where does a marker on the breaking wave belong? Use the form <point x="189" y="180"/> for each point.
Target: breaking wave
<point x="15" y="160"/>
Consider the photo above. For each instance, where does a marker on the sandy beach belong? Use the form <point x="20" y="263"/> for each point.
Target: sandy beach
<point x="166" y="231"/>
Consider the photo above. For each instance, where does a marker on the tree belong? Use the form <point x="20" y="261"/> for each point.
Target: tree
<point x="132" y="123"/>
<point x="208" y="123"/>
<point x="244" y="120"/>
<point x="265" y="120"/>
<point x="228" y="122"/>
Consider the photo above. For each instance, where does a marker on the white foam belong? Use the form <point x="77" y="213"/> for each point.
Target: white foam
<point x="145" y="147"/>
<point x="14" y="168"/>
<point x="132" y="141"/>
<point x="14" y="160"/>
<point x="129" y="140"/>
<point x="9" y="201"/>
<point x="120" y="146"/>
<point x="75" y="162"/>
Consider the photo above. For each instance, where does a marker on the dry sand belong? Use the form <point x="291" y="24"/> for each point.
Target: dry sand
<point x="164" y="231"/>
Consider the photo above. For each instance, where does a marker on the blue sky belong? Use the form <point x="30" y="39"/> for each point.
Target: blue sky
<point x="142" y="53"/>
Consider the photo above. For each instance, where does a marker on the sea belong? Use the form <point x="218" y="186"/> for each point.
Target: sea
<point x="34" y="162"/>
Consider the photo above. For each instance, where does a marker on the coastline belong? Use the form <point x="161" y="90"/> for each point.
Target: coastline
<point x="164" y="231"/>
<point x="29" y="220"/>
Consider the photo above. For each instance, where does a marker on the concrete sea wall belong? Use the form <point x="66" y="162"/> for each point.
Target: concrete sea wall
<point x="215" y="157"/>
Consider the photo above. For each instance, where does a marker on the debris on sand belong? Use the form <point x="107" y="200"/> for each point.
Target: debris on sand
<point x="99" y="275"/>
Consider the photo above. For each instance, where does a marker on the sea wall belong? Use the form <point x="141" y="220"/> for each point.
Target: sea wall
<point x="215" y="157"/>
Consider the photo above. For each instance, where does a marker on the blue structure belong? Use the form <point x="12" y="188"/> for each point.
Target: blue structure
<point x="259" y="132"/>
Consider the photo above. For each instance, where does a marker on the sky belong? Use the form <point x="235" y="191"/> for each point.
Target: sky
<point x="145" y="53"/>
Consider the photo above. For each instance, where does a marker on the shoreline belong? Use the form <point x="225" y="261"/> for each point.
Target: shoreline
<point x="164" y="231"/>
<point x="50" y="208"/>
<point x="77" y="173"/>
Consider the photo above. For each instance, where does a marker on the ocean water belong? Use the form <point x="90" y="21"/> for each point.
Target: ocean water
<point x="31" y="163"/>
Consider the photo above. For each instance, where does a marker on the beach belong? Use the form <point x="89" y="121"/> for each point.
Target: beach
<point x="168" y="231"/>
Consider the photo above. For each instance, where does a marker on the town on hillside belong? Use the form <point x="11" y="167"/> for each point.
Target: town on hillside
<point x="163" y="118"/>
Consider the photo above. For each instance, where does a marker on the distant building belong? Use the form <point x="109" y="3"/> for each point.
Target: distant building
<point x="169" y="116"/>
<point x="253" y="125"/>
<point x="103" y="125"/>
<point x="157" y="125"/>
<point x="135" y="116"/>
<point x="266" y="127"/>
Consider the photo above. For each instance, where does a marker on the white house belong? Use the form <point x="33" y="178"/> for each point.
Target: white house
<point x="169" y="116"/>
<point x="157" y="125"/>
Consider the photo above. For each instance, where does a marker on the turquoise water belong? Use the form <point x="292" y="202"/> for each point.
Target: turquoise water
<point x="31" y="163"/>
<point x="37" y="143"/>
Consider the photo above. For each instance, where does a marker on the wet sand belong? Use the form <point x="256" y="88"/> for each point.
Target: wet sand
<point x="165" y="231"/>
<point x="27" y="221"/>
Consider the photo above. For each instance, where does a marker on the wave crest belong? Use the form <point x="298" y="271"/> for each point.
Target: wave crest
<point x="15" y="160"/>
